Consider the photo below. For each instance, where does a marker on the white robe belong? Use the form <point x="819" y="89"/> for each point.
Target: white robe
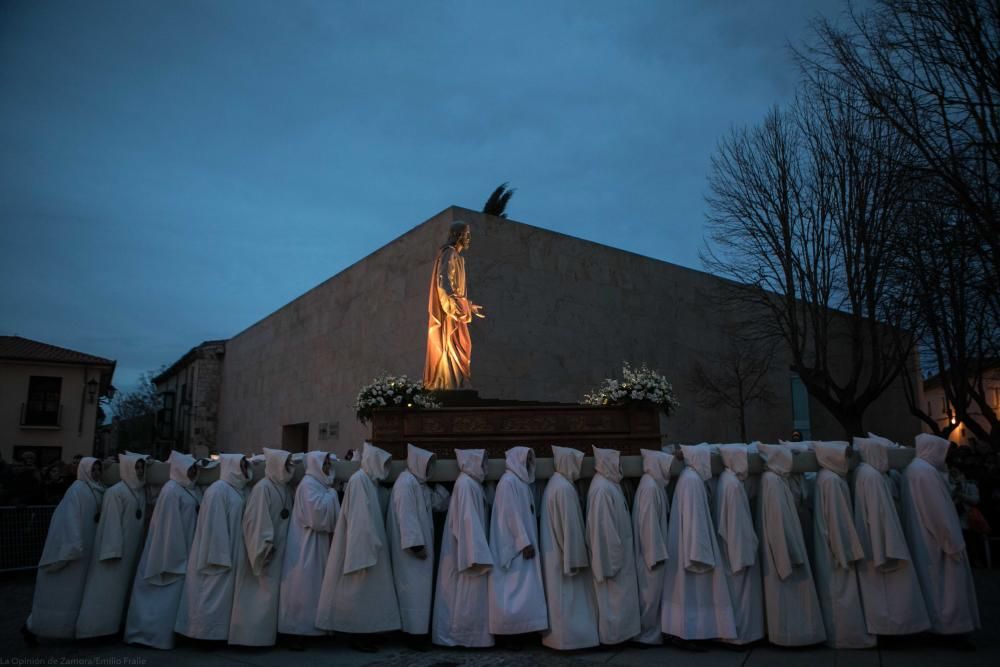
<point x="517" y="596"/>
<point x="696" y="602"/>
<point x="410" y="524"/>
<point x="738" y="546"/>
<point x="612" y="558"/>
<point x="650" y="511"/>
<point x="69" y="545"/>
<point x="358" y="594"/>
<point x="461" y="600"/>
<point x="569" y="590"/>
<point x="308" y="546"/>
<point x="836" y="550"/>
<point x="116" y="553"/>
<point x="936" y="542"/>
<point x="890" y="592"/>
<point x="207" y="602"/>
<point x="159" y="579"/>
<point x="258" y="576"/>
<point x="791" y="607"/>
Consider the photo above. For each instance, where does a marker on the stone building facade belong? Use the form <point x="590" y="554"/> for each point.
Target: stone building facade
<point x="190" y="393"/>
<point x="562" y="314"/>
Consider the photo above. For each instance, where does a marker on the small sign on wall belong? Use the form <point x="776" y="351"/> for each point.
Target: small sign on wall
<point x="328" y="430"/>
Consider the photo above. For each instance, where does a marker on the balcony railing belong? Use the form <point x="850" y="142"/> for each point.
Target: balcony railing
<point x="41" y="418"/>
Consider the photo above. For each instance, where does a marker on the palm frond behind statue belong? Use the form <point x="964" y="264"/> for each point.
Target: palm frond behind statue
<point x="497" y="203"/>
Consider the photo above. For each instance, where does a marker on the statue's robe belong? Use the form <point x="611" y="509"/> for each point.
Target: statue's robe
<point x="449" y="346"/>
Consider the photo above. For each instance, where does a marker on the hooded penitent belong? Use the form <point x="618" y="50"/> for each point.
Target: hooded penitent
<point x="650" y="511"/>
<point x="836" y="550"/>
<point x="116" y="552"/>
<point x="791" y="607"/>
<point x="309" y="532"/>
<point x="738" y="544"/>
<point x="205" y="609"/>
<point x="696" y="602"/>
<point x="569" y="590"/>
<point x="517" y="597"/>
<point x="159" y="579"/>
<point x="265" y="532"/>
<point x="890" y="593"/>
<point x="358" y="594"/>
<point x="610" y="546"/>
<point x="461" y="602"/>
<point x="936" y="543"/>
<point x="410" y="529"/>
<point x="62" y="570"/>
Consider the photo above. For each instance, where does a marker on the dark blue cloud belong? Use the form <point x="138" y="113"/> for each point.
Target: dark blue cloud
<point x="173" y="171"/>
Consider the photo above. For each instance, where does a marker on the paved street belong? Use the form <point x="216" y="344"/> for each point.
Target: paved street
<point x="923" y="651"/>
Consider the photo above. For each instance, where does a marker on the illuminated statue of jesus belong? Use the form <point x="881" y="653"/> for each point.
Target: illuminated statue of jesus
<point x="449" y="347"/>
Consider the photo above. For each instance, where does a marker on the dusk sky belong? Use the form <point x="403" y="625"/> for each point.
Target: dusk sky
<point x="174" y="171"/>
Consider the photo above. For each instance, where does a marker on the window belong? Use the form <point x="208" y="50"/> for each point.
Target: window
<point x="800" y="408"/>
<point x="42" y="408"/>
<point x="167" y="413"/>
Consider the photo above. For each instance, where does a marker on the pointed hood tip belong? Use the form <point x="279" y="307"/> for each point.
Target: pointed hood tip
<point x="873" y="452"/>
<point x="420" y="462"/>
<point x="777" y="458"/>
<point x="607" y="464"/>
<point x="315" y="460"/>
<point x="933" y="449"/>
<point x="567" y="461"/>
<point x="657" y="464"/>
<point x="472" y="462"/>
<point x="126" y="469"/>
<point x="832" y="456"/>
<point x="375" y="462"/>
<point x="521" y="462"/>
<point x="274" y="466"/>
<point x="736" y="459"/>
<point x="180" y="463"/>
<point x="699" y="459"/>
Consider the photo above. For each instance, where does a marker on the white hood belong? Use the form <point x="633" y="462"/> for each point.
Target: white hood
<point x="699" y="459"/>
<point x="85" y="473"/>
<point x="885" y="441"/>
<point x="832" y="455"/>
<point x="472" y="462"/>
<point x="657" y="464"/>
<point x="180" y="463"/>
<point x="777" y="458"/>
<point x="873" y="452"/>
<point x="230" y="472"/>
<point x="274" y="466"/>
<point x="735" y="458"/>
<point x="420" y="463"/>
<point x="521" y="462"/>
<point x="314" y="467"/>
<point x="567" y="462"/>
<point x="933" y="449"/>
<point x="375" y="462"/>
<point x="126" y="469"/>
<point x="607" y="464"/>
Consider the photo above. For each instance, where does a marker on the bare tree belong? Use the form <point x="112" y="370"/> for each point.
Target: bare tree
<point x="930" y="70"/>
<point x="806" y="209"/>
<point x="736" y="379"/>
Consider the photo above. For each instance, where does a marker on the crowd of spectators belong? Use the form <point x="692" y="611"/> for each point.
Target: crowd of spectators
<point x="974" y="480"/>
<point x="25" y="482"/>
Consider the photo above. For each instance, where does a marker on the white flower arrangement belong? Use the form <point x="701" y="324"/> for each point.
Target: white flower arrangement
<point x="637" y="385"/>
<point x="391" y="391"/>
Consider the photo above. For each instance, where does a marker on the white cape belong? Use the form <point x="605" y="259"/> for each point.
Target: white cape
<point x="62" y="570"/>
<point x="696" y="602"/>
<point x="116" y="553"/>
<point x="258" y="576"/>
<point x="159" y="580"/>
<point x="612" y="559"/>
<point x="936" y="542"/>
<point x="461" y="600"/>
<point x="890" y="592"/>
<point x="738" y="545"/>
<point x="358" y="594"/>
<point x="308" y="546"/>
<point x="410" y="525"/>
<point x="569" y="590"/>
<point x="650" y="511"/>
<point x="207" y="602"/>
<point x="836" y="550"/>
<point x="517" y="597"/>
<point x="791" y="607"/>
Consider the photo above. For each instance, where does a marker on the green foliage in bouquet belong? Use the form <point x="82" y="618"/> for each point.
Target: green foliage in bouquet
<point x="638" y="385"/>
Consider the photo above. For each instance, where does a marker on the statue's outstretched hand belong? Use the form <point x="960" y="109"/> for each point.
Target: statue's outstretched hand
<point x="477" y="310"/>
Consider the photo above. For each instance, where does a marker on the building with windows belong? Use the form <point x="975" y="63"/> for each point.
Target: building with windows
<point x="937" y="406"/>
<point x="562" y="314"/>
<point x="49" y="399"/>
<point x="189" y="393"/>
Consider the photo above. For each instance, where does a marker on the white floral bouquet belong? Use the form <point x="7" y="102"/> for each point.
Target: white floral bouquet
<point x="638" y="385"/>
<point x="390" y="391"/>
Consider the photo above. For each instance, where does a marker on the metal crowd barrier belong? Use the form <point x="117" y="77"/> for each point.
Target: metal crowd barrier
<point x="22" y="535"/>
